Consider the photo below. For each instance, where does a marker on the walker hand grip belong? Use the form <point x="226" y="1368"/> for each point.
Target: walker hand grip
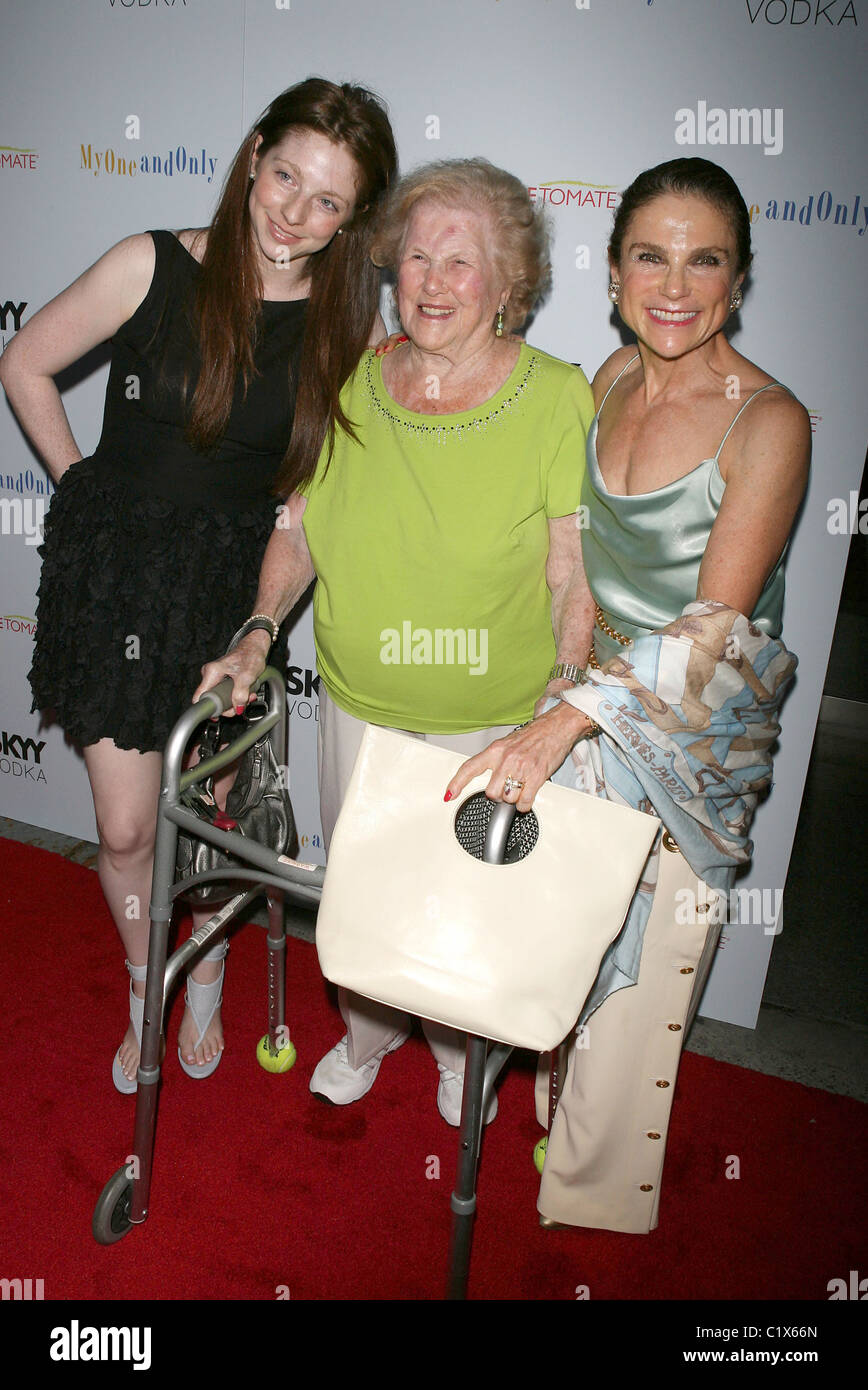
<point x="222" y="693"/>
<point x="497" y="832"/>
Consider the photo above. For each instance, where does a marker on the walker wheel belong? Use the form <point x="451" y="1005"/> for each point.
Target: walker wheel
<point x="275" y="1062"/>
<point x="111" y="1219"/>
<point x="539" y="1153"/>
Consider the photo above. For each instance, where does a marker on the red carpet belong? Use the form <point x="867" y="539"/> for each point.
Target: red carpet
<point x="258" y="1187"/>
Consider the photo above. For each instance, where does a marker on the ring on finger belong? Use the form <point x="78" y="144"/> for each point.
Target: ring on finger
<point x="511" y="784"/>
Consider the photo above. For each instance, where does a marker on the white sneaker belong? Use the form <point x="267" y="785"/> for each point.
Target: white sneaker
<point x="449" y="1094"/>
<point x="335" y="1081"/>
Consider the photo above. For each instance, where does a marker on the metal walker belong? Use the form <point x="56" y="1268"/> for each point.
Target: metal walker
<point x="123" y="1202"/>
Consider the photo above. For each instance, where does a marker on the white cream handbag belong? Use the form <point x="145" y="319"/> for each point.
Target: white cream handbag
<point x="412" y="919"/>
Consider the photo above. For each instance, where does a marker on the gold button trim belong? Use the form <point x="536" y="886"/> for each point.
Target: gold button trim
<point x="652" y="1134"/>
<point x="686" y="970"/>
<point x="674" y="1027"/>
<point x="662" y="1083"/>
<point x="646" y="1187"/>
<point x="669" y="843"/>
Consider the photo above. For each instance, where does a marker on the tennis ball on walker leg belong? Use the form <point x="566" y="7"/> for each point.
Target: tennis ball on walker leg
<point x="276" y="1062"/>
<point x="539" y="1153"/>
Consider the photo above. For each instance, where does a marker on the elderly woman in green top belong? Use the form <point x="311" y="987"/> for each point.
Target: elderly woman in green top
<point x="441" y="528"/>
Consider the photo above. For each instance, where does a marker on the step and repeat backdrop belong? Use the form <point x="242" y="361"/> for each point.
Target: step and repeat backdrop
<point x="123" y="115"/>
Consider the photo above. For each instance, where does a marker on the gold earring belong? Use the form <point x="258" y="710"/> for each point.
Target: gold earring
<point x="498" y="332"/>
<point x="736" y="301"/>
<point x="614" y="291"/>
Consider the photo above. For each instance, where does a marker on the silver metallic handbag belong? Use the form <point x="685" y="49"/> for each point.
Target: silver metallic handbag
<point x="257" y="806"/>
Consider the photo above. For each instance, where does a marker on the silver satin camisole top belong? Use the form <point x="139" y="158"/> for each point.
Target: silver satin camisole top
<point x="642" y="553"/>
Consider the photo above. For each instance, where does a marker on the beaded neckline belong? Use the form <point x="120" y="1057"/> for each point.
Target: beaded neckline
<point x="463" y="423"/>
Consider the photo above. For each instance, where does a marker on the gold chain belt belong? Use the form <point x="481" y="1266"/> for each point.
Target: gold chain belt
<point x="610" y="632"/>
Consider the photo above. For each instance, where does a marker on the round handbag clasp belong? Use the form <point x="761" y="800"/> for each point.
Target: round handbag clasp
<point x="471" y="823"/>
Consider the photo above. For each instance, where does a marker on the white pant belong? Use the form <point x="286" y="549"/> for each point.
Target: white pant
<point x="372" y="1026"/>
<point x="604" y="1161"/>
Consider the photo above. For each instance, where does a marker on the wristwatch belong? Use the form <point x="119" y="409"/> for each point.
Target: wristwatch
<point x="567" y="671"/>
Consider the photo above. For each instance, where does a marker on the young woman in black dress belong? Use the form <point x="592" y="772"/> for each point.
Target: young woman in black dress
<point x="230" y="346"/>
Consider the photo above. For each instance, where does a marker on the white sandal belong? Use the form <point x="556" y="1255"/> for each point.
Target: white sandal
<point x="203" y="1001"/>
<point x="137" y="1014"/>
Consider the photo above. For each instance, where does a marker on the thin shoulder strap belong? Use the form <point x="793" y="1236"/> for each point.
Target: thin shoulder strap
<point x="615" y="382"/>
<point x="750" y="398"/>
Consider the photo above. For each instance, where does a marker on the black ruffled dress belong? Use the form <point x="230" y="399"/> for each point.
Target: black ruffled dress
<point x="152" y="551"/>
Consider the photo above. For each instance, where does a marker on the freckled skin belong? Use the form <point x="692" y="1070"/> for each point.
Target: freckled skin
<point x="303" y="191"/>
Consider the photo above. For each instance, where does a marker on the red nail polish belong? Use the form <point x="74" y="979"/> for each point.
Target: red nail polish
<point x="448" y="796"/>
<point x="239" y="709"/>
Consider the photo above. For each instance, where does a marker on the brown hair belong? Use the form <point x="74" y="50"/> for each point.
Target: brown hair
<point x="520" y="238"/>
<point x="344" y="291"/>
<point x="698" y="178"/>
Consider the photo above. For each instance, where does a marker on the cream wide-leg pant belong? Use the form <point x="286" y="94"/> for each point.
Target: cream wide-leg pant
<point x="604" y="1160"/>
<point x="372" y="1026"/>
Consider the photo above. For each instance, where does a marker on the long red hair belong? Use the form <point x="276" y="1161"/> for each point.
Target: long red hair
<point x="344" y="291"/>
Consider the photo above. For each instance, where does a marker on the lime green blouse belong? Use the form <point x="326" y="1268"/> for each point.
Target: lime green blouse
<point x="429" y="538"/>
